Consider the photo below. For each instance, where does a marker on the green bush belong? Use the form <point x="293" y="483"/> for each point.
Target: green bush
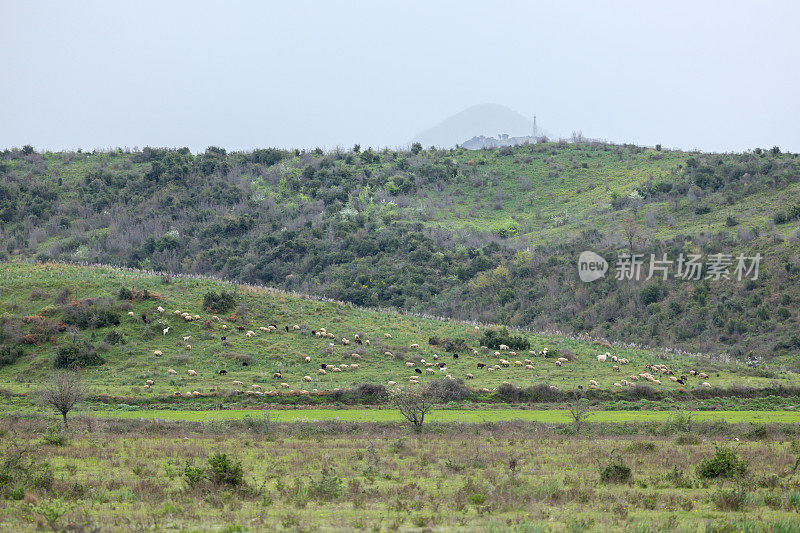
<point x="77" y="355"/>
<point x="10" y="354"/>
<point x="493" y="338"/>
<point x="328" y="487"/>
<point x="615" y="471"/>
<point x="725" y="463"/>
<point x="54" y="436"/>
<point x="221" y="302"/>
<point x="221" y="471"/>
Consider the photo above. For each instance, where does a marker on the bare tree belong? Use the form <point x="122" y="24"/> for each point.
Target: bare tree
<point x="413" y="404"/>
<point x="630" y="230"/>
<point x="579" y="410"/>
<point x="63" y="393"/>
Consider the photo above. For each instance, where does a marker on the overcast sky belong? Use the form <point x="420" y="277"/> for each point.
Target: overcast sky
<point x="719" y="76"/>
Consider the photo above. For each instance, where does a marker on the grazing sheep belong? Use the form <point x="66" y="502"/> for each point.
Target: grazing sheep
<point x="224" y="326"/>
<point x="237" y="382"/>
<point x="171" y="371"/>
<point x="308" y="359"/>
<point x="249" y="334"/>
<point x="165" y="331"/>
<point x="702" y="375"/>
<point x="517" y="363"/>
<point x="429" y="370"/>
<point x="602" y="357"/>
<point x="191" y="372"/>
<point x="387" y="354"/>
<point x="706" y="384"/>
<point x="593" y="382"/>
<point x="558" y="363"/>
<point x="188" y="346"/>
<point x="414" y="346"/>
<point x="618" y="385"/>
<point x="131" y="314"/>
<point x="354" y="366"/>
<point x="215" y="318"/>
<point x="470" y="376"/>
<point x="413" y="381"/>
<point x="196" y="317"/>
<point x="409" y="363"/>
<point x="387" y="335"/>
<point x="160" y="309"/>
<point x="614" y="358"/>
<point x="634" y="378"/>
<point x="673" y="379"/>
<point x="321" y="371"/>
<point x="158" y="353"/>
<point x="176" y="393"/>
<point x="390" y="383"/>
<point x="149" y="382"/>
<point x="307" y="378"/>
<point x="496" y="354"/>
<point x="277" y="375"/>
<point x="615" y="367"/>
<point x="503" y="347"/>
<point x="336" y="369"/>
<point x="366" y="342"/>
<point x="563" y="359"/>
<point x="529" y="367"/>
<point x="345" y="341"/>
<point x="657" y="381"/>
<point x="186" y="338"/>
<point x="177" y="312"/>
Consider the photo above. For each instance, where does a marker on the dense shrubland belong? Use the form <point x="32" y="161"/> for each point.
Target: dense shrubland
<point x="391" y="228"/>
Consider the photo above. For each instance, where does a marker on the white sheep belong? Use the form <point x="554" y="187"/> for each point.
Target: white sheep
<point x="186" y="338"/>
<point x="285" y="385"/>
<point x="392" y="383"/>
<point x="188" y="346"/>
<point x="503" y="347"/>
<point x="529" y="367"/>
<point x="706" y="384"/>
<point x="470" y="376"/>
<point x="366" y="342"/>
<point x="387" y="335"/>
<point x="517" y="363"/>
<point x="296" y="327"/>
<point x="158" y="353"/>
<point x="149" y="382"/>
<point x="237" y="382"/>
<point x="215" y="318"/>
<point x="308" y="359"/>
<point x="602" y="357"/>
<point x="177" y="312"/>
<point x="307" y="378"/>
<point x="414" y="346"/>
<point x="191" y="372"/>
<point x="387" y="354"/>
<point x="321" y="371"/>
<point x="131" y="314"/>
<point x="171" y="371"/>
<point x="593" y="383"/>
<point x="160" y="309"/>
<point x="255" y="386"/>
<point x="409" y="363"/>
<point x="165" y="331"/>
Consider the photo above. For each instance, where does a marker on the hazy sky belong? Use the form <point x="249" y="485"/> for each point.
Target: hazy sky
<point x="711" y="75"/>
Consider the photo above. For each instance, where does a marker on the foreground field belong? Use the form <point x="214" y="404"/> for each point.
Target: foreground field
<point x="115" y="475"/>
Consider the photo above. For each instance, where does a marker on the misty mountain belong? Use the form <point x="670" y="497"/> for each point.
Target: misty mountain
<point x="489" y="120"/>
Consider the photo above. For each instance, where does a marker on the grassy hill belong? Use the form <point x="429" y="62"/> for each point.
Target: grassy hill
<point x="46" y="309"/>
<point x="488" y="235"/>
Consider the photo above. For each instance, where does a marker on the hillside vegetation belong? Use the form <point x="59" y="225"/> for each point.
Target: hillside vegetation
<point x="106" y="322"/>
<point x="488" y="235"/>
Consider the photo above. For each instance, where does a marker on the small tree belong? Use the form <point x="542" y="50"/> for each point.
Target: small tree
<point x="413" y="404"/>
<point x="579" y="410"/>
<point x="63" y="393"/>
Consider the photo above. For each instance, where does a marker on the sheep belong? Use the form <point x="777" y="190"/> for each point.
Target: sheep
<point x="504" y="362"/>
<point x="388" y="354"/>
<point x="263" y="329"/>
<point x="413" y="381"/>
<point x="191" y="372"/>
<point x="158" y="353"/>
<point x="336" y="369"/>
<point x="615" y="367"/>
<point x="165" y="331"/>
<point x="237" y="382"/>
<point x="307" y="378"/>
<point x="503" y="347"/>
<point x="215" y="318"/>
<point x="387" y="335"/>
<point x="177" y="393"/>
<point x="618" y="385"/>
<point x="171" y="371"/>
<point x="177" y="312"/>
<point x="512" y="354"/>
<point x="390" y="383"/>
<point x="657" y="381"/>
<point x="224" y="326"/>
<point x="529" y="367"/>
<point x="366" y="342"/>
<point x="131" y="314"/>
<point x="593" y="382"/>
<point x="614" y="358"/>
<point x="354" y="366"/>
<point x="345" y="341"/>
<point x="149" y="382"/>
<point x="602" y="357"/>
<point x="517" y="363"/>
<point x="186" y="338"/>
<point x="558" y="363"/>
<point x="563" y="359"/>
<point x="188" y="346"/>
<point x="528" y="362"/>
<point x="308" y="359"/>
<point x="702" y="375"/>
<point x="634" y="377"/>
<point x="481" y="365"/>
<point x="409" y="363"/>
<point x="414" y="346"/>
<point x="706" y="384"/>
<point x="430" y="371"/>
<point x="673" y="379"/>
<point x="160" y="309"/>
<point x="277" y="375"/>
<point x="470" y="376"/>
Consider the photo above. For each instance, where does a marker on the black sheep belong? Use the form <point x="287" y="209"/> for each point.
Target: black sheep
<point x="223" y="372"/>
<point x="481" y="365"/>
<point x="418" y="371"/>
<point x="144" y="319"/>
<point x="245" y="363"/>
<point x="223" y="338"/>
<point x="287" y="329"/>
<point x="323" y="365"/>
<point x="455" y="356"/>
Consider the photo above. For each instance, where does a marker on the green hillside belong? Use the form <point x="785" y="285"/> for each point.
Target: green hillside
<point x="52" y="311"/>
<point x="488" y="235"/>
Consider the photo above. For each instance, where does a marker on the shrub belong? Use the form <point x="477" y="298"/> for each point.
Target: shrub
<point x="113" y="338"/>
<point x="221" y="471"/>
<point x="54" y="436"/>
<point x="89" y="314"/>
<point x="447" y="389"/>
<point x="615" y="471"/>
<point x="77" y="355"/>
<point x="725" y="463"/>
<point x="221" y="302"/>
<point x="125" y="294"/>
<point x="10" y="354"/>
<point x="328" y="487"/>
<point x="733" y="499"/>
<point x="493" y="338"/>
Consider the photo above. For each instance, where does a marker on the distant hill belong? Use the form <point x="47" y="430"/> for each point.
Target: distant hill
<point x="485" y="119"/>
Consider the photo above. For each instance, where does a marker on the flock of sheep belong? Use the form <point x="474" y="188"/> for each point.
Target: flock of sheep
<point x="419" y="365"/>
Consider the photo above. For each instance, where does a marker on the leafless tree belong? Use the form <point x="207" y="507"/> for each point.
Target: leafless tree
<point x="413" y="403"/>
<point x="579" y="410"/>
<point x="63" y="393"/>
